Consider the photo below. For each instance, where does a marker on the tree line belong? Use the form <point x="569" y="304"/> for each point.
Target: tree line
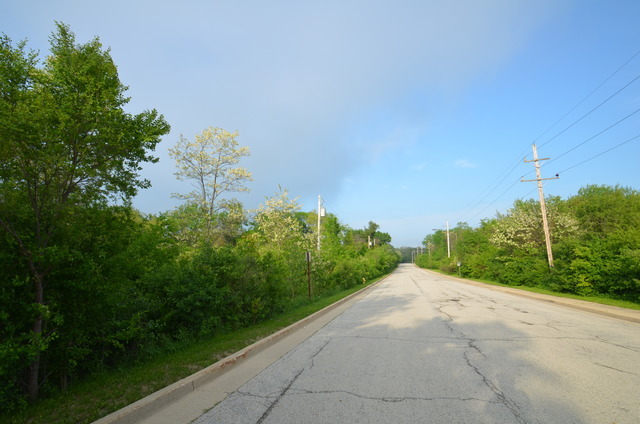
<point x="88" y="283"/>
<point x="595" y="237"/>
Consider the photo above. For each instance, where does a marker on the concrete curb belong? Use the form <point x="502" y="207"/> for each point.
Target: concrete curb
<point x="630" y="315"/>
<point x="146" y="406"/>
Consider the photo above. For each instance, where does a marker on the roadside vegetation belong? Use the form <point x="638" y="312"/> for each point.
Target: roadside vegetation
<point x="595" y="236"/>
<point x="110" y="390"/>
<point x="92" y="290"/>
<point x="101" y="304"/>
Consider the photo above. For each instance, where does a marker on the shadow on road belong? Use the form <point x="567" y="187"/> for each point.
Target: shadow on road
<point x="417" y="349"/>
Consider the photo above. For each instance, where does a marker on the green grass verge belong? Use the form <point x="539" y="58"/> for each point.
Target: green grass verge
<point x="109" y="391"/>
<point x="595" y="299"/>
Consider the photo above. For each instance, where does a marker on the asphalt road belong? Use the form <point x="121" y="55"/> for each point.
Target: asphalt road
<point x="421" y="348"/>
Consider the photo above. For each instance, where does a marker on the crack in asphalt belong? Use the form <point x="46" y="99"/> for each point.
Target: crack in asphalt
<point x="313" y="357"/>
<point x="274" y="397"/>
<point x="473" y="346"/>
<point x="282" y="393"/>
<point x="465" y="348"/>
<point x="605" y="341"/>
<point x="612" y="368"/>
<point x="502" y="398"/>
<point x="429" y="341"/>
<point x="439" y="307"/>
<point x="388" y="399"/>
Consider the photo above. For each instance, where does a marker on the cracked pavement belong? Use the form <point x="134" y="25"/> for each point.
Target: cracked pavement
<point x="422" y="348"/>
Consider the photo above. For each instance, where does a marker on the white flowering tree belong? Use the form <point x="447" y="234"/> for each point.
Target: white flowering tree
<point x="282" y="234"/>
<point x="521" y="228"/>
<point x="210" y="163"/>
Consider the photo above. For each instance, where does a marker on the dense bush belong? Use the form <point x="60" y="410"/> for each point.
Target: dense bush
<point x="86" y="285"/>
<point x="128" y="287"/>
<point x="595" y="237"/>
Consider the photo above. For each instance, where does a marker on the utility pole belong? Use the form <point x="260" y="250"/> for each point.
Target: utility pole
<point x="448" y="242"/>
<point x="543" y="208"/>
<point x="321" y="213"/>
<point x="308" y="255"/>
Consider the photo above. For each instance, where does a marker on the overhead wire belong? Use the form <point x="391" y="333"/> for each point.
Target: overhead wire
<point x="489" y="192"/>
<point x="587" y="114"/>
<point x="601" y="153"/>
<point x="586" y="97"/>
<point x="495" y="200"/>
<point x="591" y="111"/>
<point x="495" y="186"/>
<point x="594" y="136"/>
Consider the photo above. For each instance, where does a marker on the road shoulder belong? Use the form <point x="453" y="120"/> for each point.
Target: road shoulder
<point x="187" y="399"/>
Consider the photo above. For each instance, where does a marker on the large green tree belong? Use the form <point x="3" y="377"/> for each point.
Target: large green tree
<point x="66" y="141"/>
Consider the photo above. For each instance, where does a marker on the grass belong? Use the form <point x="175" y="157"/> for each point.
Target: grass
<point x="595" y="299"/>
<point x="109" y="391"/>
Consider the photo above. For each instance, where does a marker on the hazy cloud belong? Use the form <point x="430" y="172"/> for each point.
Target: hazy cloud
<point x="463" y="163"/>
<point x="317" y="90"/>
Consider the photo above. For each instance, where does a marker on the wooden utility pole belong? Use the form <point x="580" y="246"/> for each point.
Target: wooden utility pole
<point x="321" y="213"/>
<point x="308" y="255"/>
<point x="543" y="208"/>
<point x="448" y="242"/>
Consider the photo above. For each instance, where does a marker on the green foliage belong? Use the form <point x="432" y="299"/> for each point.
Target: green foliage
<point x="128" y="286"/>
<point x="209" y="162"/>
<point x="367" y="237"/>
<point x="87" y="284"/>
<point x="595" y="238"/>
<point x="603" y="210"/>
<point x="111" y="390"/>
<point x="67" y="144"/>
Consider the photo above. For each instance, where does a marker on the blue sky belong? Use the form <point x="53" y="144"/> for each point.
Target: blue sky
<point x="406" y="113"/>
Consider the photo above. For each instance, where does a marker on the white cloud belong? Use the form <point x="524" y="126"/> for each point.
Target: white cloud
<point x="464" y="163"/>
<point x="419" y="166"/>
<point x="300" y="81"/>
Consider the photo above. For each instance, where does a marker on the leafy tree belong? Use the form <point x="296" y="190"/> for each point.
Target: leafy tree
<point x="66" y="141"/>
<point x="371" y="229"/>
<point x="382" y="238"/>
<point x="436" y="246"/>
<point x="604" y="258"/>
<point x="521" y="228"/>
<point x="369" y="236"/>
<point x="209" y="162"/>
<point x="279" y="224"/>
<point x="596" y="237"/>
<point x="333" y="235"/>
<point x="282" y="234"/>
<point x="602" y="210"/>
<point x="190" y="226"/>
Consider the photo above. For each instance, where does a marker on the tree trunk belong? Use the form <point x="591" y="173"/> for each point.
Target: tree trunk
<point x="33" y="383"/>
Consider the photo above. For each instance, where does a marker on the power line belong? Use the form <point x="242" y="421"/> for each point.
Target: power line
<point x="496" y="185"/>
<point x="589" y="113"/>
<point x="496" y="199"/>
<point x="489" y="192"/>
<point x="586" y="97"/>
<point x="601" y="153"/>
<point x="598" y="134"/>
